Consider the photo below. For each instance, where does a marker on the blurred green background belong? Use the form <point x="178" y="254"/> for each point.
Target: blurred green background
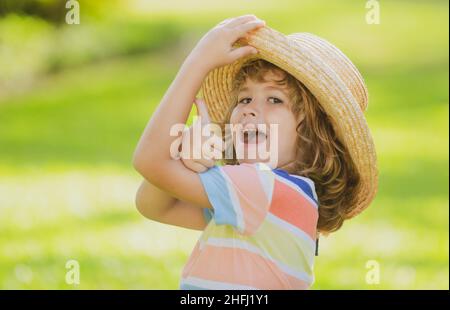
<point x="74" y="100"/>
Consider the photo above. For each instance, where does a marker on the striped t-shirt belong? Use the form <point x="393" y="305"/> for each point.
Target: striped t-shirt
<point x="261" y="231"/>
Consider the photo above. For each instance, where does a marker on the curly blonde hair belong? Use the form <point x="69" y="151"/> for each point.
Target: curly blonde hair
<point x="320" y="155"/>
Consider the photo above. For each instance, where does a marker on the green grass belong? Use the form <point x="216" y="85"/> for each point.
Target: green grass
<point x="67" y="185"/>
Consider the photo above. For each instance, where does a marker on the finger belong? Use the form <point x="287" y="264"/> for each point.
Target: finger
<point x="216" y="154"/>
<point x="206" y="162"/>
<point x="194" y="166"/>
<point x="202" y="110"/>
<point x="241" y="31"/>
<point x="242" y="51"/>
<point x="233" y="22"/>
<point x="212" y="153"/>
<point x="187" y="147"/>
<point x="216" y="143"/>
<point x="224" y="22"/>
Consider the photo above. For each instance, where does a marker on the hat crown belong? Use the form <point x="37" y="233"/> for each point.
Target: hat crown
<point x="335" y="59"/>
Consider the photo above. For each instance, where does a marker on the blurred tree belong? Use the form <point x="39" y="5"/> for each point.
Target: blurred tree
<point x="53" y="11"/>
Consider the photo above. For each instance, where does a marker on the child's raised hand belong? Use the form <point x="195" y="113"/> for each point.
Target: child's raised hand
<point x="197" y="152"/>
<point x="215" y="49"/>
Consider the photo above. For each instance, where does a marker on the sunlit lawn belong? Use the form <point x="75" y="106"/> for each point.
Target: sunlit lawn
<point x="67" y="186"/>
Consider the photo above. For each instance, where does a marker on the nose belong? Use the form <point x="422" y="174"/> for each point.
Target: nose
<point x="249" y="113"/>
<point x="250" y="109"/>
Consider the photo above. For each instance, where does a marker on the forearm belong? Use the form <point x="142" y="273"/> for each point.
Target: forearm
<point x="174" y="108"/>
<point x="152" y="158"/>
<point x="153" y="202"/>
<point x="157" y="205"/>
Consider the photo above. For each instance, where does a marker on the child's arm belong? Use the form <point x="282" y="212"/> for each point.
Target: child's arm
<point x="157" y="205"/>
<point x="152" y="156"/>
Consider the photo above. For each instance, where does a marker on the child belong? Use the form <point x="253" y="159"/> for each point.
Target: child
<point x="260" y="216"/>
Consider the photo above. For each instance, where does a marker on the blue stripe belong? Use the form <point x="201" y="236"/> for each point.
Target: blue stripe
<point x="216" y="189"/>
<point x="302" y="184"/>
<point x="208" y="214"/>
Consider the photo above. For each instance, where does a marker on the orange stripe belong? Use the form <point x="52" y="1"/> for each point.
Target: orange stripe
<point x="292" y="207"/>
<point x="242" y="267"/>
<point x="253" y="201"/>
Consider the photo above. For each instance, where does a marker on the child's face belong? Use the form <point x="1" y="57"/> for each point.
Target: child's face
<point x="269" y="104"/>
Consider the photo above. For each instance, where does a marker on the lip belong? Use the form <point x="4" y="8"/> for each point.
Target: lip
<point x="253" y="134"/>
<point x="253" y="137"/>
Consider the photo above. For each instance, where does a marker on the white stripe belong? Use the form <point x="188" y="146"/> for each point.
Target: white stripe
<point x="310" y="182"/>
<point x="234" y="202"/>
<point x="262" y="166"/>
<point x="214" y="285"/>
<point x="295" y="187"/>
<point x="293" y="229"/>
<point x="235" y="243"/>
<point x="267" y="180"/>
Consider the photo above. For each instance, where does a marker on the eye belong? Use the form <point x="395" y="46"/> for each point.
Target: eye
<point x="243" y="99"/>
<point x="276" y="100"/>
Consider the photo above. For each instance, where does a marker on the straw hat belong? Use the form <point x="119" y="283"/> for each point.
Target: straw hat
<point x="332" y="79"/>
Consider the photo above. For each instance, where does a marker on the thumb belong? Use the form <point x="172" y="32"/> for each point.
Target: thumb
<point x="243" y="51"/>
<point x="202" y="111"/>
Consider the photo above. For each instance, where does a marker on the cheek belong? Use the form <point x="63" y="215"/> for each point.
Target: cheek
<point x="287" y="132"/>
<point x="234" y="116"/>
<point x="290" y="123"/>
<point x="285" y="119"/>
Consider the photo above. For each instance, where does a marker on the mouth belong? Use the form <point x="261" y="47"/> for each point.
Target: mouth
<point x="253" y="136"/>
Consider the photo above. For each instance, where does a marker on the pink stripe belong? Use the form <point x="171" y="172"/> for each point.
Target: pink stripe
<point x="241" y="267"/>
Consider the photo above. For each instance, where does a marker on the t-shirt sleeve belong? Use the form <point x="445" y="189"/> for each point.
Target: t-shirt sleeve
<point x="239" y="194"/>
